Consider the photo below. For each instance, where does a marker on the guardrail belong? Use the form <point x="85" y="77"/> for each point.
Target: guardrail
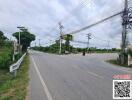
<point x="15" y="66"/>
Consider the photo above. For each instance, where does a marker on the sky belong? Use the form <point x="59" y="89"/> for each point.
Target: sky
<point x="41" y="17"/>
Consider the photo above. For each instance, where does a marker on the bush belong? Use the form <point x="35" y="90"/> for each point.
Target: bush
<point x="17" y="56"/>
<point x="5" y="58"/>
<point x="130" y="52"/>
<point x="15" y="88"/>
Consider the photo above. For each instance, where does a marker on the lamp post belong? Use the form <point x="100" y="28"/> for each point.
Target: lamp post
<point x="19" y="40"/>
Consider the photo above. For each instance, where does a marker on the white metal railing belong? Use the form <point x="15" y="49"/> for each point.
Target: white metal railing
<point x="16" y="65"/>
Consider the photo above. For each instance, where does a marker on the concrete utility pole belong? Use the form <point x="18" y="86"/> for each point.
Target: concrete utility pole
<point x="89" y="37"/>
<point x="60" y="27"/>
<point x="39" y="43"/>
<point x="19" y="40"/>
<point x="35" y="44"/>
<point x="124" y="32"/>
<point x="14" y="48"/>
<point x="108" y="47"/>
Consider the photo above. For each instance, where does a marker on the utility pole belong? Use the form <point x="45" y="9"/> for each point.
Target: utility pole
<point x="124" y="32"/>
<point x="89" y="37"/>
<point x="60" y="27"/>
<point x="108" y="47"/>
<point x="39" y="43"/>
<point x="14" y="48"/>
<point x="19" y="41"/>
<point x="35" y="44"/>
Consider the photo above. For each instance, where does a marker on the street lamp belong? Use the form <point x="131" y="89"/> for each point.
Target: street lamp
<point x="23" y="29"/>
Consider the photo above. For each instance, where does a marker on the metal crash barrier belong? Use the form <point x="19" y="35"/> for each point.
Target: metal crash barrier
<point x="15" y="66"/>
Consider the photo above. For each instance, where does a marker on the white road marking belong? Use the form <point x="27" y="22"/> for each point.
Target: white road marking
<point x="49" y="97"/>
<point x="94" y="74"/>
<point x="89" y="72"/>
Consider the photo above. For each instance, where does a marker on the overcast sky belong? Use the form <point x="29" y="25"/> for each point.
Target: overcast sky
<point x="41" y="17"/>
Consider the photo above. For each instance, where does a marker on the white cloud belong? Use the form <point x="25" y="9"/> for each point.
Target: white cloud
<point x="40" y="16"/>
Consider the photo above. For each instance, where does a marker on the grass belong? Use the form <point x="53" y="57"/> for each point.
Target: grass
<point x="114" y="61"/>
<point x="14" y="88"/>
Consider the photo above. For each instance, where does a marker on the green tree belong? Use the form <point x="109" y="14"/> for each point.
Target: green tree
<point x="68" y="38"/>
<point x="25" y="38"/>
<point x="2" y="38"/>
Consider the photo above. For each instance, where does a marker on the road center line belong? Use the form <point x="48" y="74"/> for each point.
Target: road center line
<point x="91" y="73"/>
<point x="49" y="97"/>
<point x="94" y="74"/>
<point x="87" y="71"/>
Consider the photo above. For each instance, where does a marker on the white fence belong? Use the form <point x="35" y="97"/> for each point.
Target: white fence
<point x="16" y="65"/>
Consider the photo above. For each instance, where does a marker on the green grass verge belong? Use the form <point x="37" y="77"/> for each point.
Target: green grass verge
<point x="14" y="88"/>
<point x="114" y="61"/>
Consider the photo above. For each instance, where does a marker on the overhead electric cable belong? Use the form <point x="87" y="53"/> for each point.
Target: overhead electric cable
<point x="94" y="24"/>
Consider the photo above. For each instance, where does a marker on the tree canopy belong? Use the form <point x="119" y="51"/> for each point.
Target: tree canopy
<point x="2" y="38"/>
<point x="68" y="38"/>
<point x="25" y="38"/>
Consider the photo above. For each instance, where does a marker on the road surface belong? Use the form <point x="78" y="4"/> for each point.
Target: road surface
<point x="72" y="77"/>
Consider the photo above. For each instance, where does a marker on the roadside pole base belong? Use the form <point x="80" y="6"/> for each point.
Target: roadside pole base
<point x="15" y="73"/>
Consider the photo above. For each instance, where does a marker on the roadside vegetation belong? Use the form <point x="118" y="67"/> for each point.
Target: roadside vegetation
<point x="66" y="48"/>
<point x="54" y="48"/>
<point x="14" y="88"/>
<point x="6" y="52"/>
<point x="118" y="62"/>
<point x="115" y="62"/>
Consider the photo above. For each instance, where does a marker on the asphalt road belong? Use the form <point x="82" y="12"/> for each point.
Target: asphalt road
<point x="72" y="77"/>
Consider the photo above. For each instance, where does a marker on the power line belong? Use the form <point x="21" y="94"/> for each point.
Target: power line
<point x="86" y="4"/>
<point x="104" y="39"/>
<point x="96" y="23"/>
<point x="81" y="42"/>
<point x="99" y="38"/>
<point x="82" y="4"/>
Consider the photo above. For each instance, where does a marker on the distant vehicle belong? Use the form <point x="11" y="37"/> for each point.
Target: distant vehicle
<point x="83" y="53"/>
